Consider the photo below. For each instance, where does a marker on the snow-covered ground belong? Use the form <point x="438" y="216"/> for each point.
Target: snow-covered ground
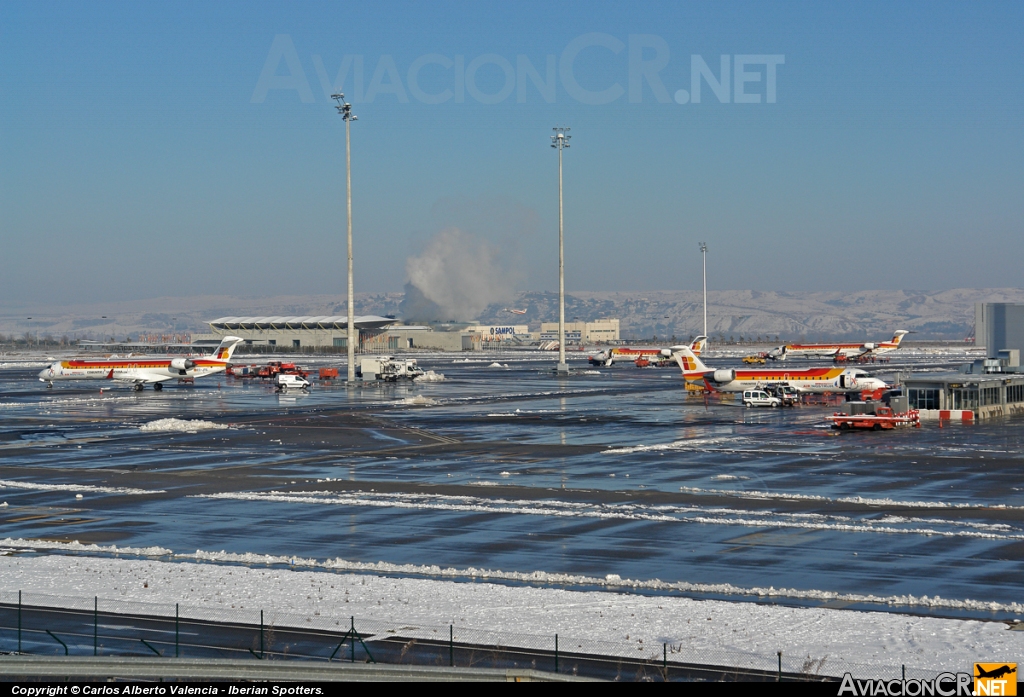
<point x="829" y="641"/>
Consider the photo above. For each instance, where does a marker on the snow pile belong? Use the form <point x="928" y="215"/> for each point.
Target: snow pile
<point x="23" y="545"/>
<point x="430" y="376"/>
<point x="180" y="426"/>
<point x="76" y="487"/>
<point x="419" y="401"/>
<point x="622" y="622"/>
<point x="497" y="365"/>
<point x="590" y="372"/>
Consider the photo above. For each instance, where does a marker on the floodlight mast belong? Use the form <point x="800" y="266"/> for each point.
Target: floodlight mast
<point x="704" y="257"/>
<point x="345" y="109"/>
<point x="560" y="141"/>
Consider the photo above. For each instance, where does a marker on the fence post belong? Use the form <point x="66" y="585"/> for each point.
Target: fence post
<point x="779" y="678"/>
<point x="556" y="653"/>
<point x="95" y="624"/>
<point x="353" y="653"/>
<point x="19" y="622"/>
<point x="261" y="634"/>
<point x="59" y="639"/>
<point x="176" y="653"/>
<point x="451" y="645"/>
<point x="904" y="671"/>
<point x="664" y="658"/>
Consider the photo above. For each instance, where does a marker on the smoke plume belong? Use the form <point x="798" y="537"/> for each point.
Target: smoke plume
<point x="460" y="274"/>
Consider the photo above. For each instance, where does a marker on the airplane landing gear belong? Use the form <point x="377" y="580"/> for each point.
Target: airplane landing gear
<point x="138" y="387"/>
<point x="49" y="385"/>
<point x="158" y="386"/>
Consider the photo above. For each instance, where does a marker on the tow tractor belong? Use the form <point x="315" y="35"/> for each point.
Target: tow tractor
<point x="759" y="358"/>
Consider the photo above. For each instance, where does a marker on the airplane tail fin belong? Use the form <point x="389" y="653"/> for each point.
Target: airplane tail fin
<point x="226" y="348"/>
<point x="699" y="344"/>
<point x="897" y="337"/>
<point x="689" y="363"/>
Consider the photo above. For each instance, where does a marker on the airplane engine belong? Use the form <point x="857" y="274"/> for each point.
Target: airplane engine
<point x="724" y="375"/>
<point x="665" y="353"/>
<point x="869" y="347"/>
<point x="182" y="364"/>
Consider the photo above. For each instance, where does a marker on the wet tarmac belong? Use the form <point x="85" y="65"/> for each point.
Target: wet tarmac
<point x="613" y="471"/>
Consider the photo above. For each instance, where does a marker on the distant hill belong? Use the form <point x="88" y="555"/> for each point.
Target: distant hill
<point x="790" y="315"/>
<point x="869" y="314"/>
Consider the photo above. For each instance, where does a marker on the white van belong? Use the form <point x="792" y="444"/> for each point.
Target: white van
<point x="760" y="398"/>
<point x="284" y="381"/>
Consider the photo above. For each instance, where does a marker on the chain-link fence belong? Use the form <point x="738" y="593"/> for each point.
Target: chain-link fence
<point x="38" y="623"/>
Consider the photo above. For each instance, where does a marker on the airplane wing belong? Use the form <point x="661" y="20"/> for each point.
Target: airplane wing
<point x="137" y="378"/>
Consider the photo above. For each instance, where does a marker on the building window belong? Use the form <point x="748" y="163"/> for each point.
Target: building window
<point x="989" y="396"/>
<point x="340" y="342"/>
<point x="272" y="342"/>
<point x="296" y="343"/>
<point x="964" y="398"/>
<point x="923" y="398"/>
<point x="1014" y="394"/>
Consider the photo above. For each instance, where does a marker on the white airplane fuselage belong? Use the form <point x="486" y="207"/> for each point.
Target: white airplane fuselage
<point x="847" y="351"/>
<point x="811" y="380"/>
<point x="610" y="356"/>
<point x="143" y="369"/>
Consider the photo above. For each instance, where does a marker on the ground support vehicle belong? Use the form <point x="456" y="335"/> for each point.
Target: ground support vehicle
<point x="875" y="417"/>
<point x="786" y="393"/>
<point x="388" y="368"/>
<point x="288" y="381"/>
<point x="760" y="398"/>
<point x="760" y="358"/>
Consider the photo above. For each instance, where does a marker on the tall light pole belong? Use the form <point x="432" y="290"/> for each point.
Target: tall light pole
<point x="560" y="141"/>
<point x="704" y="256"/>
<point x="345" y="109"/>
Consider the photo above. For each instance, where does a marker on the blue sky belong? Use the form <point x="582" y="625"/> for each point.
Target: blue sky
<point x="142" y="158"/>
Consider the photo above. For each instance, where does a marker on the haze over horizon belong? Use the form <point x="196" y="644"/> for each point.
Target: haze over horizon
<point x="797" y="315"/>
<point x="157" y="150"/>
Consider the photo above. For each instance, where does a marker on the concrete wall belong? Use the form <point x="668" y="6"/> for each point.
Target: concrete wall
<point x="437" y="341"/>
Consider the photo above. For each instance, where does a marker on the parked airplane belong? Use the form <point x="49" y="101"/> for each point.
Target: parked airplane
<point x="803" y="379"/>
<point x="836" y="350"/>
<point x="513" y="311"/>
<point x="620" y="354"/>
<point x="142" y="370"/>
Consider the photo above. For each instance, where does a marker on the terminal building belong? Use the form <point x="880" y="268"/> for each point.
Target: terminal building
<point x="601" y="331"/>
<point x="385" y="335"/>
<point x="498" y="333"/>
<point x="375" y="334"/>
<point x="300" y="332"/>
<point x="988" y="387"/>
